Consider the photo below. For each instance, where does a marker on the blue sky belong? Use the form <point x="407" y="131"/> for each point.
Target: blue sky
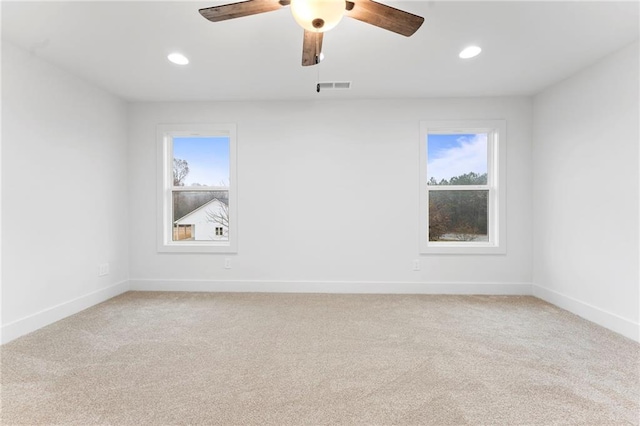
<point x="208" y="159"/>
<point x="450" y="155"/>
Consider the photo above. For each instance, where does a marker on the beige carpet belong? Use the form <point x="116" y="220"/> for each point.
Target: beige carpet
<point x="293" y="359"/>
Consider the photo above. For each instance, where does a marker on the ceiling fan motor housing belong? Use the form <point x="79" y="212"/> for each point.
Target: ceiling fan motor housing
<point x="318" y="15"/>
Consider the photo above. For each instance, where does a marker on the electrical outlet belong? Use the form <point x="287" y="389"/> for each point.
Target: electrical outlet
<point x="103" y="269"/>
<point x="416" y="265"/>
<point x="227" y="263"/>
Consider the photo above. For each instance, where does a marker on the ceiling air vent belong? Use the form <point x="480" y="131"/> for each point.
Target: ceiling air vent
<point x="335" y="85"/>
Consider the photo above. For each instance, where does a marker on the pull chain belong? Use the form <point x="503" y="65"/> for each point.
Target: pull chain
<point x="318" y="79"/>
<point x="318" y="64"/>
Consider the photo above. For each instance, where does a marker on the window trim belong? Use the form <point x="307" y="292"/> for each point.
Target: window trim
<point x="164" y="135"/>
<point x="496" y="185"/>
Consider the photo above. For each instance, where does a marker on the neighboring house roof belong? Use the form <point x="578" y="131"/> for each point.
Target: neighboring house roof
<point x="215" y="200"/>
<point x="185" y="202"/>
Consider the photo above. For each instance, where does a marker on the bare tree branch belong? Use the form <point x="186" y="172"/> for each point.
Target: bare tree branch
<point x="180" y="171"/>
<point x="220" y="217"/>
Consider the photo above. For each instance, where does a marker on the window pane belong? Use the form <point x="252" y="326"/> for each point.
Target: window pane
<point x="457" y="159"/>
<point x="200" y="215"/>
<point x="458" y="215"/>
<point x="201" y="161"/>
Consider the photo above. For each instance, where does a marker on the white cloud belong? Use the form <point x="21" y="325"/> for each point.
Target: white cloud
<point x="469" y="156"/>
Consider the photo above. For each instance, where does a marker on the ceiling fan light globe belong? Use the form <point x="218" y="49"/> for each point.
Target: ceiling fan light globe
<point x="317" y="15"/>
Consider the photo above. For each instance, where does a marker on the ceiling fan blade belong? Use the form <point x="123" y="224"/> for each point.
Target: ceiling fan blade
<point x="311" y="48"/>
<point x="383" y="16"/>
<point x="238" y="10"/>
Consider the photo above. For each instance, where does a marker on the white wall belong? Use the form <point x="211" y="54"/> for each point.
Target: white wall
<point x="328" y="199"/>
<point x="328" y="196"/>
<point x="64" y="193"/>
<point x="585" y="192"/>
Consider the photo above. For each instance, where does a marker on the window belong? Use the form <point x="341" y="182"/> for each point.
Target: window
<point x="462" y="187"/>
<point x="197" y="188"/>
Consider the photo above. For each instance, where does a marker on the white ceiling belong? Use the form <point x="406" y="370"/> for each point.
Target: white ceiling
<point x="122" y="47"/>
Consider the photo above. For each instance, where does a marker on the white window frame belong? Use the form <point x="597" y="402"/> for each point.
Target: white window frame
<point x="165" y="135"/>
<point x="496" y="185"/>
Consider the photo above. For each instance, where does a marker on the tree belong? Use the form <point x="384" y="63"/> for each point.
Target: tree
<point x="466" y="232"/>
<point x="438" y="221"/>
<point x="460" y="214"/>
<point x="470" y="178"/>
<point x="180" y="171"/>
<point x="221" y="217"/>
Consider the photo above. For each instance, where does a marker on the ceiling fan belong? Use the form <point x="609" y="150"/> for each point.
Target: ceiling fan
<point x="318" y="16"/>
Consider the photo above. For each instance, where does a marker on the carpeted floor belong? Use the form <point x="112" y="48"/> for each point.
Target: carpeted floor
<point x="301" y="359"/>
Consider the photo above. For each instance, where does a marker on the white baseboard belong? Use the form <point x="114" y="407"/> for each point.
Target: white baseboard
<point x="589" y="312"/>
<point x="341" y="287"/>
<point x="31" y="323"/>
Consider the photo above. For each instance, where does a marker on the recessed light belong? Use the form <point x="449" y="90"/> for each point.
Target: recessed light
<point x="470" y="52"/>
<point x="178" y="58"/>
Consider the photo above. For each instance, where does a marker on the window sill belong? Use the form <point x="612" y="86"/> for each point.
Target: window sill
<point x="195" y="247"/>
<point x="456" y="248"/>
